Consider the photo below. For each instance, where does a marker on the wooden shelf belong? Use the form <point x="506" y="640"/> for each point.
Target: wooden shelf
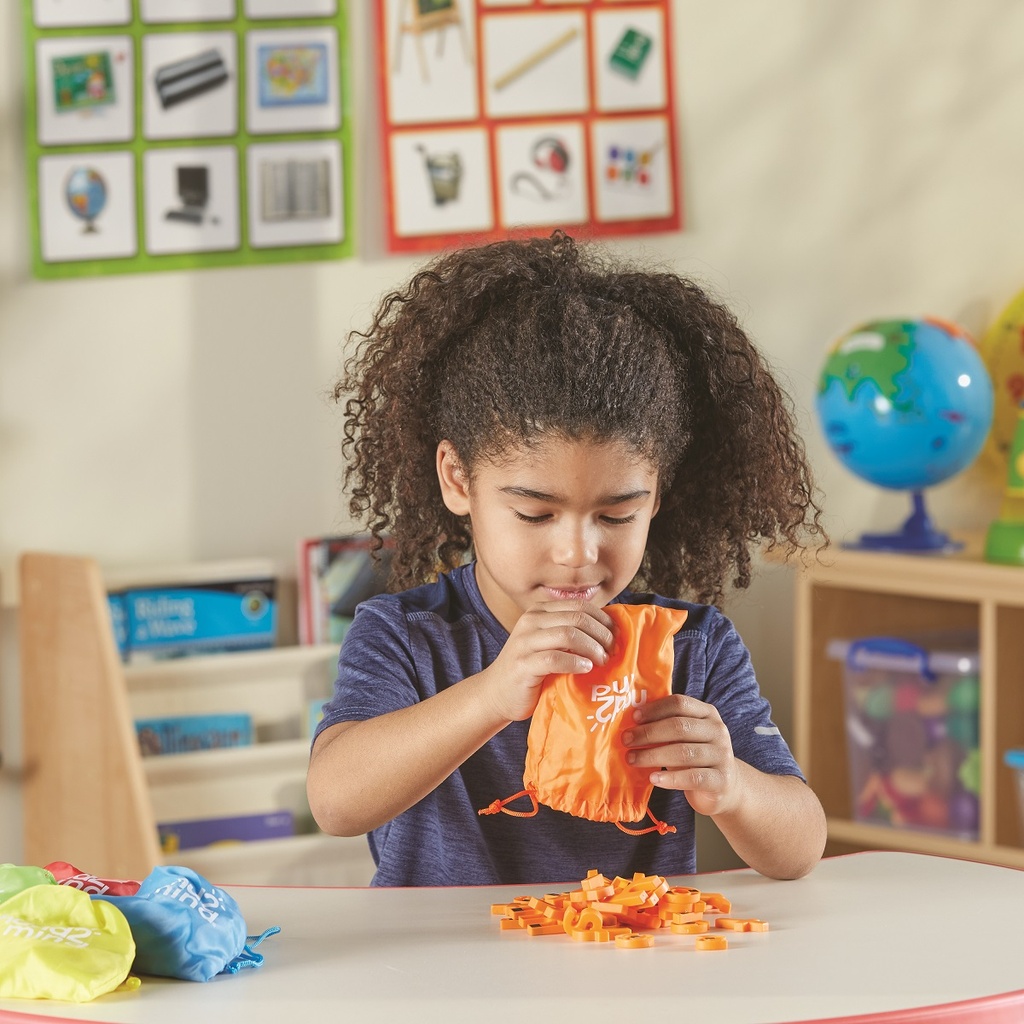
<point x="879" y="837"/>
<point x="853" y="594"/>
<point x="90" y="798"/>
<point x="312" y="859"/>
<point x="195" y="766"/>
<point x="258" y="666"/>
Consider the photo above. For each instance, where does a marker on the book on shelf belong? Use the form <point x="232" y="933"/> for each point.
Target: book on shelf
<point x="181" y="734"/>
<point x="243" y="828"/>
<point x="335" y="573"/>
<point x="199" y="609"/>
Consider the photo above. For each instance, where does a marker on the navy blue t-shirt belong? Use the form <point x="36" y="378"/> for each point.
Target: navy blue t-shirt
<point x="403" y="648"/>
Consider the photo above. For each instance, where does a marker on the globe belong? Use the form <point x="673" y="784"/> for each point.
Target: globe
<point x="905" y="404"/>
<point x="86" y="193"/>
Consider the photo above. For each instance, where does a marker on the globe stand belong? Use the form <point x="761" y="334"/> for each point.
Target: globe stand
<point x="917" y="534"/>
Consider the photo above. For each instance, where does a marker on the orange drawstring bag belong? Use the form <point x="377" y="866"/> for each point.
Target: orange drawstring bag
<point x="575" y="758"/>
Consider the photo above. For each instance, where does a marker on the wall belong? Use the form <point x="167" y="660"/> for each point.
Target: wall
<point x="841" y="161"/>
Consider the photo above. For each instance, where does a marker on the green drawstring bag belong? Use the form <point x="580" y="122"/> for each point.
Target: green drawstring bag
<point x="57" y="943"/>
<point x="15" y="877"/>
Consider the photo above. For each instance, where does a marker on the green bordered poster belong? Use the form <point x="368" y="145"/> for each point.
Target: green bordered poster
<point x="170" y="134"/>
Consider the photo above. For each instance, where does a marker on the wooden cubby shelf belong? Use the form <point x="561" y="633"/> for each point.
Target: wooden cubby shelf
<point x="851" y="594"/>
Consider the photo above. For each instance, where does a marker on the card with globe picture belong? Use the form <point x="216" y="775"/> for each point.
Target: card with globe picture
<point x="87" y="207"/>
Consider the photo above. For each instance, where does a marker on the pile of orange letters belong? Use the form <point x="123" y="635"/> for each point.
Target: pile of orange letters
<point x="625" y="911"/>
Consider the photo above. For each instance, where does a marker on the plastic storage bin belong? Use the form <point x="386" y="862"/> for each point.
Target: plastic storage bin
<point x="912" y="731"/>
<point x="1015" y="759"/>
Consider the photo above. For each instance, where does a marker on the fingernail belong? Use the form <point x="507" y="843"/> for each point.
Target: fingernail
<point x="630" y="757"/>
<point x="627" y="738"/>
<point x="638" y="716"/>
<point x="657" y="778"/>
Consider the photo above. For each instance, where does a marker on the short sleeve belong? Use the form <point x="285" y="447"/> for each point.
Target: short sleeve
<point x="376" y="671"/>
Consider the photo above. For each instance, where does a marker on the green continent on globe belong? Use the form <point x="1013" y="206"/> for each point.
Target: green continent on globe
<point x="876" y="355"/>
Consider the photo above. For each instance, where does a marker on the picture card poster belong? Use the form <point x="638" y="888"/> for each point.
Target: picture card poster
<point x="165" y="134"/>
<point x="526" y="115"/>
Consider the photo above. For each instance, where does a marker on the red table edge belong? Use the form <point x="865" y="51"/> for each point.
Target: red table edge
<point x="997" y="1009"/>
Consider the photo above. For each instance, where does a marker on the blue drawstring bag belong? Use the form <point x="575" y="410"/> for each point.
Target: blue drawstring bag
<point x="186" y="927"/>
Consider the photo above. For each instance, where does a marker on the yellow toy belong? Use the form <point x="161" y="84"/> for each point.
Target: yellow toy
<point x="1003" y="351"/>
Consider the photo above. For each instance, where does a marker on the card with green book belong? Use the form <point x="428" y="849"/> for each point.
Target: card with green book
<point x="631" y="52"/>
<point x="83" y="80"/>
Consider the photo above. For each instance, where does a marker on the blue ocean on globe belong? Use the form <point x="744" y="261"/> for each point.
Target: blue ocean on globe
<point x="905" y="404"/>
<point x="86" y="193"/>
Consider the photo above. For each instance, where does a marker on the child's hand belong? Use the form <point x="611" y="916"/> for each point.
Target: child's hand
<point x="688" y="747"/>
<point x="551" y="637"/>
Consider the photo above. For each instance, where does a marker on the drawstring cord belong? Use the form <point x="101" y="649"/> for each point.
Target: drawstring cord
<point x="499" y="805"/>
<point x="661" y="827"/>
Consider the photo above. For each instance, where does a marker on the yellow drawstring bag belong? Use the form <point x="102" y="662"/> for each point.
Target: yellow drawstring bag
<point x="57" y="943"/>
<point x="575" y="758"/>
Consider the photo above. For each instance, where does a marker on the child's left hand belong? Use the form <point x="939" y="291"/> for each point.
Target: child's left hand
<point x="687" y="745"/>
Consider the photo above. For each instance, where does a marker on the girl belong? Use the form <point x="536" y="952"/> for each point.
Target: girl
<point x="549" y="431"/>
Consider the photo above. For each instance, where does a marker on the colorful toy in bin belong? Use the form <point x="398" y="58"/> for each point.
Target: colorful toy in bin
<point x="912" y="731"/>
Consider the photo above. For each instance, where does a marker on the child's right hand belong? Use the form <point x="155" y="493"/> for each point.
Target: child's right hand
<point x="551" y="637"/>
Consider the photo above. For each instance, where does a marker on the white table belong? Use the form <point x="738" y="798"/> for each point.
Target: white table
<point x="867" y="936"/>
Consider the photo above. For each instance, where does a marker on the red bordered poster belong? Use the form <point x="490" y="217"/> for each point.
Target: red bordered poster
<point x="504" y="116"/>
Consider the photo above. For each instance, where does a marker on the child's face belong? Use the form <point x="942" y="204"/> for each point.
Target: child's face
<point x="561" y="520"/>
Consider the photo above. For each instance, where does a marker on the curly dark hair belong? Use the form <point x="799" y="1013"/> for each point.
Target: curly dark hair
<point x="496" y="345"/>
